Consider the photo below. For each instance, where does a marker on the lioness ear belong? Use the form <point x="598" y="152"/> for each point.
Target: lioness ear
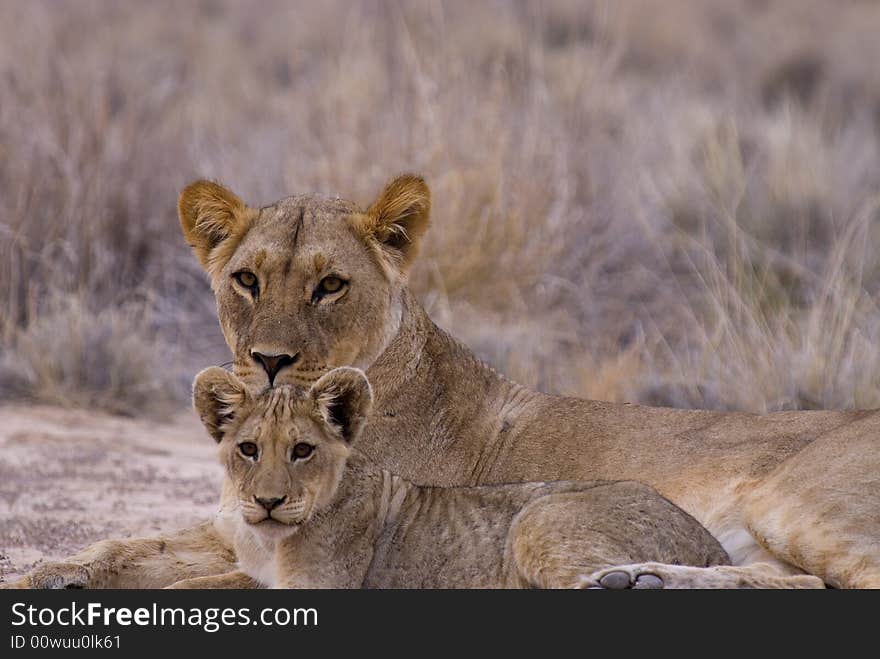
<point x="395" y="223"/>
<point x="209" y="215"/>
<point x="343" y="398"/>
<point x="217" y="397"/>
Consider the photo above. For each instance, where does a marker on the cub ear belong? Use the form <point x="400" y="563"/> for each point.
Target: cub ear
<point x="209" y="215"/>
<point x="218" y="396"/>
<point x="343" y="398"/>
<point x="395" y="223"/>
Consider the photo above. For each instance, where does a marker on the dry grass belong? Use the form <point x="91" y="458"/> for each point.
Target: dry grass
<point x="671" y="202"/>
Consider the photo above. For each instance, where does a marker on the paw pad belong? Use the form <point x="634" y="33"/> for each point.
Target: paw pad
<point x="621" y="580"/>
<point x="615" y="581"/>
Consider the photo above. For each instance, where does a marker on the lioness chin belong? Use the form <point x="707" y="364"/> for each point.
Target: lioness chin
<point x="312" y="512"/>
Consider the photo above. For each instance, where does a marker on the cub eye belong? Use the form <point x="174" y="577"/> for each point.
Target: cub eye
<point x="331" y="284"/>
<point x="302" y="451"/>
<point x="328" y="286"/>
<point x="248" y="449"/>
<point x="246" y="279"/>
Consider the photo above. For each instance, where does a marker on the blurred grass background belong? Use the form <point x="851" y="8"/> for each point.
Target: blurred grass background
<point x="671" y="202"/>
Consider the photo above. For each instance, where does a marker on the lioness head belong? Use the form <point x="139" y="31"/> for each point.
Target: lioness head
<point x="308" y="283"/>
<point x="284" y="450"/>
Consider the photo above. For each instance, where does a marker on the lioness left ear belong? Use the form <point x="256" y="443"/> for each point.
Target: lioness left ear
<point x="395" y="223"/>
<point x="218" y="396"/>
<point x="209" y="215"/>
<point x="343" y="398"/>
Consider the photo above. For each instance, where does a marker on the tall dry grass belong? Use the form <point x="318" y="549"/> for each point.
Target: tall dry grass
<point x="675" y="203"/>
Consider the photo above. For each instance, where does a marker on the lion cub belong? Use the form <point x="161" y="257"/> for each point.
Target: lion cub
<point x="313" y="512"/>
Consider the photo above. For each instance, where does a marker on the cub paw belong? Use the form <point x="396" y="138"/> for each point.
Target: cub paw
<point x="183" y="584"/>
<point x="623" y="578"/>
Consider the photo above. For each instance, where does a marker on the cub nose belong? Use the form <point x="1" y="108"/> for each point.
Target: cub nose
<point x="273" y="363"/>
<point x="270" y="504"/>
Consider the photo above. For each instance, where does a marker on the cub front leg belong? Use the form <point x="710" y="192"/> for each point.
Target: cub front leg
<point x="229" y="581"/>
<point x="138" y="562"/>
<point x="315" y="575"/>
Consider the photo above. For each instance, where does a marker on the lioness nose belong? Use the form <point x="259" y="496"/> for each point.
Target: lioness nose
<point x="270" y="504"/>
<point x="273" y="363"/>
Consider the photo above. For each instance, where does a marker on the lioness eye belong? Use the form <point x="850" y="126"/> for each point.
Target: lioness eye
<point x="302" y="451"/>
<point x="246" y="279"/>
<point x="248" y="449"/>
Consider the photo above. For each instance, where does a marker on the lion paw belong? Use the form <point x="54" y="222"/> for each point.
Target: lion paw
<point x="58" y="576"/>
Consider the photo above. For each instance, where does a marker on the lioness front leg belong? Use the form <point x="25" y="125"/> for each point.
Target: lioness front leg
<point x="228" y="581"/>
<point x="658" y="575"/>
<point x="560" y="540"/>
<point x="138" y="562"/>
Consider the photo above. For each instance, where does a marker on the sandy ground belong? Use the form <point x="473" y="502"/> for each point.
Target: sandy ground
<point x="71" y="477"/>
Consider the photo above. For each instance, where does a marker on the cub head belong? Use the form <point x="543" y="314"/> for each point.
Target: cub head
<point x="308" y="283"/>
<point x="284" y="450"/>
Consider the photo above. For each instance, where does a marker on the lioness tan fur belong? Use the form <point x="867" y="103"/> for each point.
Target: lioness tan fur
<point x="796" y="490"/>
<point x="314" y="513"/>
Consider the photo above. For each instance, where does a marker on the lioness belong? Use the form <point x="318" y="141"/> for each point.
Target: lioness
<point x="310" y="283"/>
<point x="313" y="513"/>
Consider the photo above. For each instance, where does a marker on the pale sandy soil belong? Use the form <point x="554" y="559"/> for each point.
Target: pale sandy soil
<point x="71" y="477"/>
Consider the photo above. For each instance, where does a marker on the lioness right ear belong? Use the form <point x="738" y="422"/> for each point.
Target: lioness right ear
<point x="209" y="215"/>
<point x="217" y="397"/>
<point x="343" y="398"/>
<point x="395" y="223"/>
